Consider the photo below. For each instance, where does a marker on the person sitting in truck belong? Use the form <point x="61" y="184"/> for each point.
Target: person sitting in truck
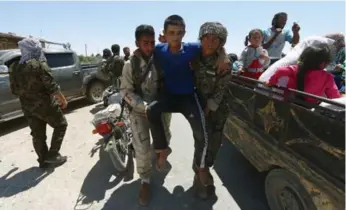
<point x="276" y="36"/>
<point x="309" y="75"/>
<point x="254" y="58"/>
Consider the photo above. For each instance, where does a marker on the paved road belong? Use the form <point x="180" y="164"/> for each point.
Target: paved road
<point x="88" y="181"/>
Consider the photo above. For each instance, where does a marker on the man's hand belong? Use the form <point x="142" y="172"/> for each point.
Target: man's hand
<point x="225" y="65"/>
<point x="264" y="57"/>
<point x="62" y="100"/>
<point x="278" y="31"/>
<point x="338" y="67"/>
<point x="295" y="28"/>
<point x="63" y="104"/>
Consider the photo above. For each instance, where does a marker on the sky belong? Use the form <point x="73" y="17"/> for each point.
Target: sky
<point x="101" y="24"/>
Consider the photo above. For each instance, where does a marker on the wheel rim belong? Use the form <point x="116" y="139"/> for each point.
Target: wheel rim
<point x="289" y="199"/>
<point x="97" y="92"/>
<point x="122" y="151"/>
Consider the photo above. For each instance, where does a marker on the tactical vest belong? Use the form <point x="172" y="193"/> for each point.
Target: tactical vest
<point x="138" y="77"/>
<point x="136" y="74"/>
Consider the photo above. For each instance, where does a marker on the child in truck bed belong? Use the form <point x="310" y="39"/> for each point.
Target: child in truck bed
<point x="254" y="58"/>
<point x="309" y="75"/>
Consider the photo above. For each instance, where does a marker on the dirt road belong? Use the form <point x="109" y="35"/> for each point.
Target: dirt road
<point x="88" y="181"/>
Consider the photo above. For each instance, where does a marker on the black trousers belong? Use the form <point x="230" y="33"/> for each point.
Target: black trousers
<point x="189" y="106"/>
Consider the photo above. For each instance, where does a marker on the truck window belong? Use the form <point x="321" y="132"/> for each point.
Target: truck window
<point x="10" y="62"/>
<point x="60" y="59"/>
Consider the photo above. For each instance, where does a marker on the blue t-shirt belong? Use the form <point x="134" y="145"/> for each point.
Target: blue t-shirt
<point x="176" y="67"/>
<point x="275" y="49"/>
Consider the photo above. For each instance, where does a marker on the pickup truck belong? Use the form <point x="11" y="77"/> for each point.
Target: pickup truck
<point x="299" y="146"/>
<point x="76" y="81"/>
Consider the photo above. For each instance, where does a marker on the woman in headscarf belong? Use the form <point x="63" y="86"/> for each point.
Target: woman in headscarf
<point x="211" y="85"/>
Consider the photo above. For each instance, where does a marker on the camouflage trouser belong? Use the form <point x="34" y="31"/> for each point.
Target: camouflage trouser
<point x="38" y="121"/>
<point x="141" y="142"/>
<point x="215" y="123"/>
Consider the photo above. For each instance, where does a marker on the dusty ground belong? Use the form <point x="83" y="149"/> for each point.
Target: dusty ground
<point x="88" y="181"/>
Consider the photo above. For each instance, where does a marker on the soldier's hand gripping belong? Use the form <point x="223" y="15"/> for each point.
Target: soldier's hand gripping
<point x="62" y="100"/>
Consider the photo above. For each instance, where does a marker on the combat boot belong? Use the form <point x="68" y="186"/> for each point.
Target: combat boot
<point x="55" y="158"/>
<point x="42" y="164"/>
<point x="144" y="194"/>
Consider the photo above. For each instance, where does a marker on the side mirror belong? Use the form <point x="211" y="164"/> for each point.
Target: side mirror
<point x="3" y="69"/>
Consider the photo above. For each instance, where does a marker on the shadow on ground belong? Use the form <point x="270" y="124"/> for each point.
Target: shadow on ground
<point x="11" y="185"/>
<point x="242" y="180"/>
<point x="102" y="177"/>
<point x="19" y="123"/>
<point x="126" y="197"/>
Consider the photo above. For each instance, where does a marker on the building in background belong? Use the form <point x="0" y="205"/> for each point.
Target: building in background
<point x="10" y="41"/>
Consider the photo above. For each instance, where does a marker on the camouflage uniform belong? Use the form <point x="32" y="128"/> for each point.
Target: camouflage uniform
<point x="33" y="83"/>
<point x="115" y="68"/>
<point x="139" y="122"/>
<point x="211" y="86"/>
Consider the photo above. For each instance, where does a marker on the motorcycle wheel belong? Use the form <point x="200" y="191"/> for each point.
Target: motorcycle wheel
<point x="118" y="150"/>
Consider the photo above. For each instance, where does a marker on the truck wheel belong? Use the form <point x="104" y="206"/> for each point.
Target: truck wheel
<point x="95" y="92"/>
<point x="285" y="192"/>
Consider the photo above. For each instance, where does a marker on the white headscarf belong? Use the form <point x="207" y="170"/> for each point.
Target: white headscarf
<point x="30" y="49"/>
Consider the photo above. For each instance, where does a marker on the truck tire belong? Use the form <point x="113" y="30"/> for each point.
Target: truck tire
<point x="95" y="91"/>
<point x="284" y="191"/>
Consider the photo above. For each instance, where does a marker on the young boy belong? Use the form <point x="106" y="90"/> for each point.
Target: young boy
<point x="178" y="95"/>
<point x="139" y="85"/>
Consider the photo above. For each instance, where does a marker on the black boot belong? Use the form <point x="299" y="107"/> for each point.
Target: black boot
<point x="55" y="158"/>
<point x="43" y="164"/>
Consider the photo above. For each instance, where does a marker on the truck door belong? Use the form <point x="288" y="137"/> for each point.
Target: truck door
<point x="9" y="104"/>
<point x="66" y="71"/>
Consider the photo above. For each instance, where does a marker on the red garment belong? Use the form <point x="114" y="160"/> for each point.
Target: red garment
<point x="255" y="64"/>
<point x="253" y="75"/>
<point x="317" y="82"/>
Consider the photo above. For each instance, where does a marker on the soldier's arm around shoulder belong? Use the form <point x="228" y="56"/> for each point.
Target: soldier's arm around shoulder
<point x="127" y="88"/>
<point x="47" y="79"/>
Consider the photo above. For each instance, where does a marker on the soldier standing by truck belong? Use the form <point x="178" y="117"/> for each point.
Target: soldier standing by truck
<point x="116" y="65"/>
<point x="41" y="101"/>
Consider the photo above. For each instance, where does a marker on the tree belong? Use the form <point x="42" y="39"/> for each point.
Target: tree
<point x="87" y="59"/>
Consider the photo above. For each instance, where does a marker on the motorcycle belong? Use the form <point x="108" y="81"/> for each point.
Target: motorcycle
<point x="113" y="125"/>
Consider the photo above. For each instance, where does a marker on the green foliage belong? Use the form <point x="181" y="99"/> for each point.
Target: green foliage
<point x="88" y="59"/>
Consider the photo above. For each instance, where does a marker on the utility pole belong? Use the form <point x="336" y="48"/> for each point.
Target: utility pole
<point x="86" y="50"/>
